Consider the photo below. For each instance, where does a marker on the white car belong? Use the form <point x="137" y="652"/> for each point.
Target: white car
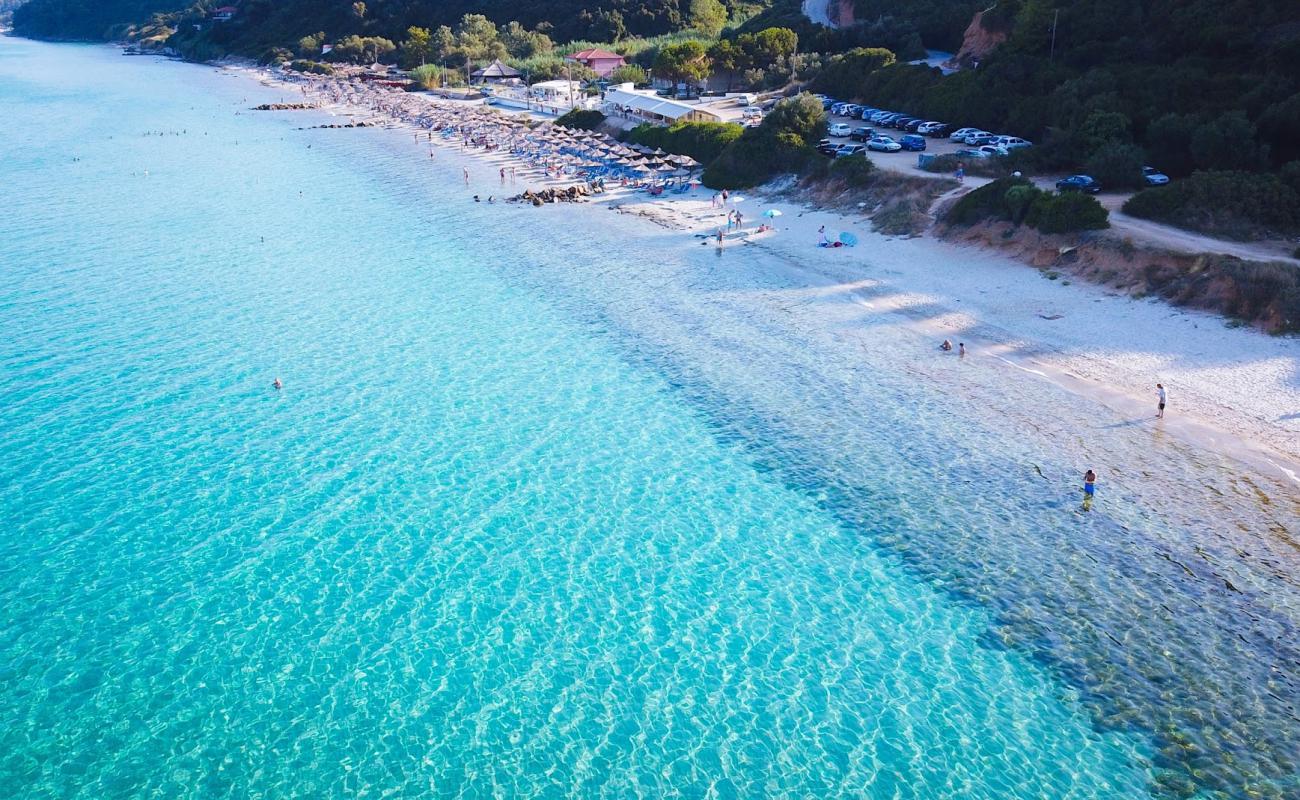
<point x="884" y="144"/>
<point x="1012" y="142"/>
<point x="960" y="134"/>
<point x="752" y="112"/>
<point x="971" y="137"/>
<point x="1154" y="177"/>
<point x="993" y="150"/>
<point x="838" y="129"/>
<point x="926" y="128"/>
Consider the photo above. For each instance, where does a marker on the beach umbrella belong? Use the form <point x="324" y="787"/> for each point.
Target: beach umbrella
<point x="772" y="213"/>
<point x="848" y="239"/>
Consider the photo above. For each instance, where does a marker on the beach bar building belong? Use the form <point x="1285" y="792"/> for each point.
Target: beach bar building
<point x="496" y="72"/>
<point x="625" y="101"/>
<point x="601" y="62"/>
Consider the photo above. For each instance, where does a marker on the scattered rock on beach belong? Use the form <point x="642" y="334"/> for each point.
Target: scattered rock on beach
<point x="560" y="194"/>
<point x="284" y="107"/>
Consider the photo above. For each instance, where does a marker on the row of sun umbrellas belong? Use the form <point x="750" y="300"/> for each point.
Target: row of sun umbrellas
<point x="545" y="143"/>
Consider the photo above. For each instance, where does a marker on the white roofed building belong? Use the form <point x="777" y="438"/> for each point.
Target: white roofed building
<point x="624" y="100"/>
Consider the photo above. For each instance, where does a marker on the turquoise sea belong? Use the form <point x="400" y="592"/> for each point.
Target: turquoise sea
<point x="545" y="508"/>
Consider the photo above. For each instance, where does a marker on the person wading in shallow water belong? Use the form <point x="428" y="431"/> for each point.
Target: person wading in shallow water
<point x="277" y="384"/>
<point x="1160" y="406"/>
<point x="1089" y="488"/>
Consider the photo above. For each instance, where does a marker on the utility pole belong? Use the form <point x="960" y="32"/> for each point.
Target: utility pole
<point x="1056" y="15"/>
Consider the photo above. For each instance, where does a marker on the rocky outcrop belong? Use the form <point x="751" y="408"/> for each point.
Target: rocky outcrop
<point x="831" y="13"/>
<point x="976" y="43"/>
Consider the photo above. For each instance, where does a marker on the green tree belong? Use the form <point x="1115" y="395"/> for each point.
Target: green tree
<point x="1228" y="143"/>
<point x="686" y="62"/>
<point x="1117" y="165"/>
<point x="770" y="45"/>
<point x="728" y="57"/>
<point x="628" y="73"/>
<point x="477" y="40"/>
<point x="310" y="45"/>
<point x="523" y="43"/>
<point x="442" y="43"/>
<point x="801" y="115"/>
<point x="708" y="17"/>
<point x="416" y="47"/>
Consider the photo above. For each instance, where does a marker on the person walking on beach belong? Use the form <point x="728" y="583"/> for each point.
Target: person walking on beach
<point x="961" y="349"/>
<point x="1160" y="406"/>
<point x="503" y="176"/>
<point x="465" y="170"/>
<point x="1089" y="488"/>
<point x="961" y="172"/>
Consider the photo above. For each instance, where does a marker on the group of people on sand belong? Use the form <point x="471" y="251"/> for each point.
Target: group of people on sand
<point x="1089" y="477"/>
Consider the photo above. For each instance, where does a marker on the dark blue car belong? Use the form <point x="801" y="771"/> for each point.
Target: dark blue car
<point x="912" y="142"/>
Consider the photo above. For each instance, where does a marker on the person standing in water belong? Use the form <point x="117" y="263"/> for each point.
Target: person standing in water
<point x="277" y="384"/>
<point x="465" y="171"/>
<point x="1090" y="483"/>
<point x="1160" y="406"/>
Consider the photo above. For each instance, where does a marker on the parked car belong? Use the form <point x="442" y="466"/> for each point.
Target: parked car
<point x="969" y="153"/>
<point x="884" y="144"/>
<point x="838" y="129"/>
<point x="827" y="148"/>
<point x="867" y="112"/>
<point x="862" y="134"/>
<point x="972" y="138"/>
<point x="752" y="112"/>
<point x="929" y="128"/>
<point x="838" y="107"/>
<point x="828" y="103"/>
<point x="879" y="117"/>
<point x="980" y="141"/>
<point x="912" y="141"/>
<point x="1012" y="142"/>
<point x="852" y="110"/>
<point x="1078" y="183"/>
<point x="993" y="150"/>
<point x="914" y="125"/>
<point x="960" y="134"/>
<point x="900" y="122"/>
<point x="1154" y="177"/>
<point x="850" y="150"/>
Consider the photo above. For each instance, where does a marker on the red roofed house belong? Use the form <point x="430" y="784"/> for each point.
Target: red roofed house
<point x="601" y="62"/>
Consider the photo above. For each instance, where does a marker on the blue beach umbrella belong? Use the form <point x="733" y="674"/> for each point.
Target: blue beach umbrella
<point x="848" y="239"/>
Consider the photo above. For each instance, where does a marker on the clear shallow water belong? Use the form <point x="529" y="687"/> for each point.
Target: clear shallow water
<point x="530" y="517"/>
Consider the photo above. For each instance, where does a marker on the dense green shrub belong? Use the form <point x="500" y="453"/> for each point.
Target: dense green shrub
<point x="1236" y="205"/>
<point x="1018" y="201"/>
<point x="758" y="156"/>
<point x="845" y="75"/>
<point x="702" y="141"/>
<point x="987" y="202"/>
<point x="314" y="67"/>
<point x="855" y="171"/>
<point x="1066" y="213"/>
<point x="1117" y="165"/>
<point x="1266" y="293"/>
<point x="580" y="118"/>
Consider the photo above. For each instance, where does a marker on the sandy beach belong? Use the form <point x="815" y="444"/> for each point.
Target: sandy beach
<point x="1233" y="391"/>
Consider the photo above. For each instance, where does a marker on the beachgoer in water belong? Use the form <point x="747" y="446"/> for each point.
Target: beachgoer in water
<point x="720" y="236"/>
<point x="961" y="349"/>
<point x="1090" y="483"/>
<point x="946" y="346"/>
<point x="465" y="170"/>
<point x="503" y="176"/>
<point x="277" y="384"/>
<point x="476" y="198"/>
<point x="1160" y="408"/>
<point x="491" y="198"/>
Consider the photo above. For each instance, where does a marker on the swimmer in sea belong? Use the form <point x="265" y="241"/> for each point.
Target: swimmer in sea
<point x="946" y="346"/>
<point x="1089" y="488"/>
<point x="277" y="384"/>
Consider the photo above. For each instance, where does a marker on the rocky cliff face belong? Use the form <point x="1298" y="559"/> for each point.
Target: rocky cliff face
<point x="831" y="13"/>
<point x="976" y="43"/>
